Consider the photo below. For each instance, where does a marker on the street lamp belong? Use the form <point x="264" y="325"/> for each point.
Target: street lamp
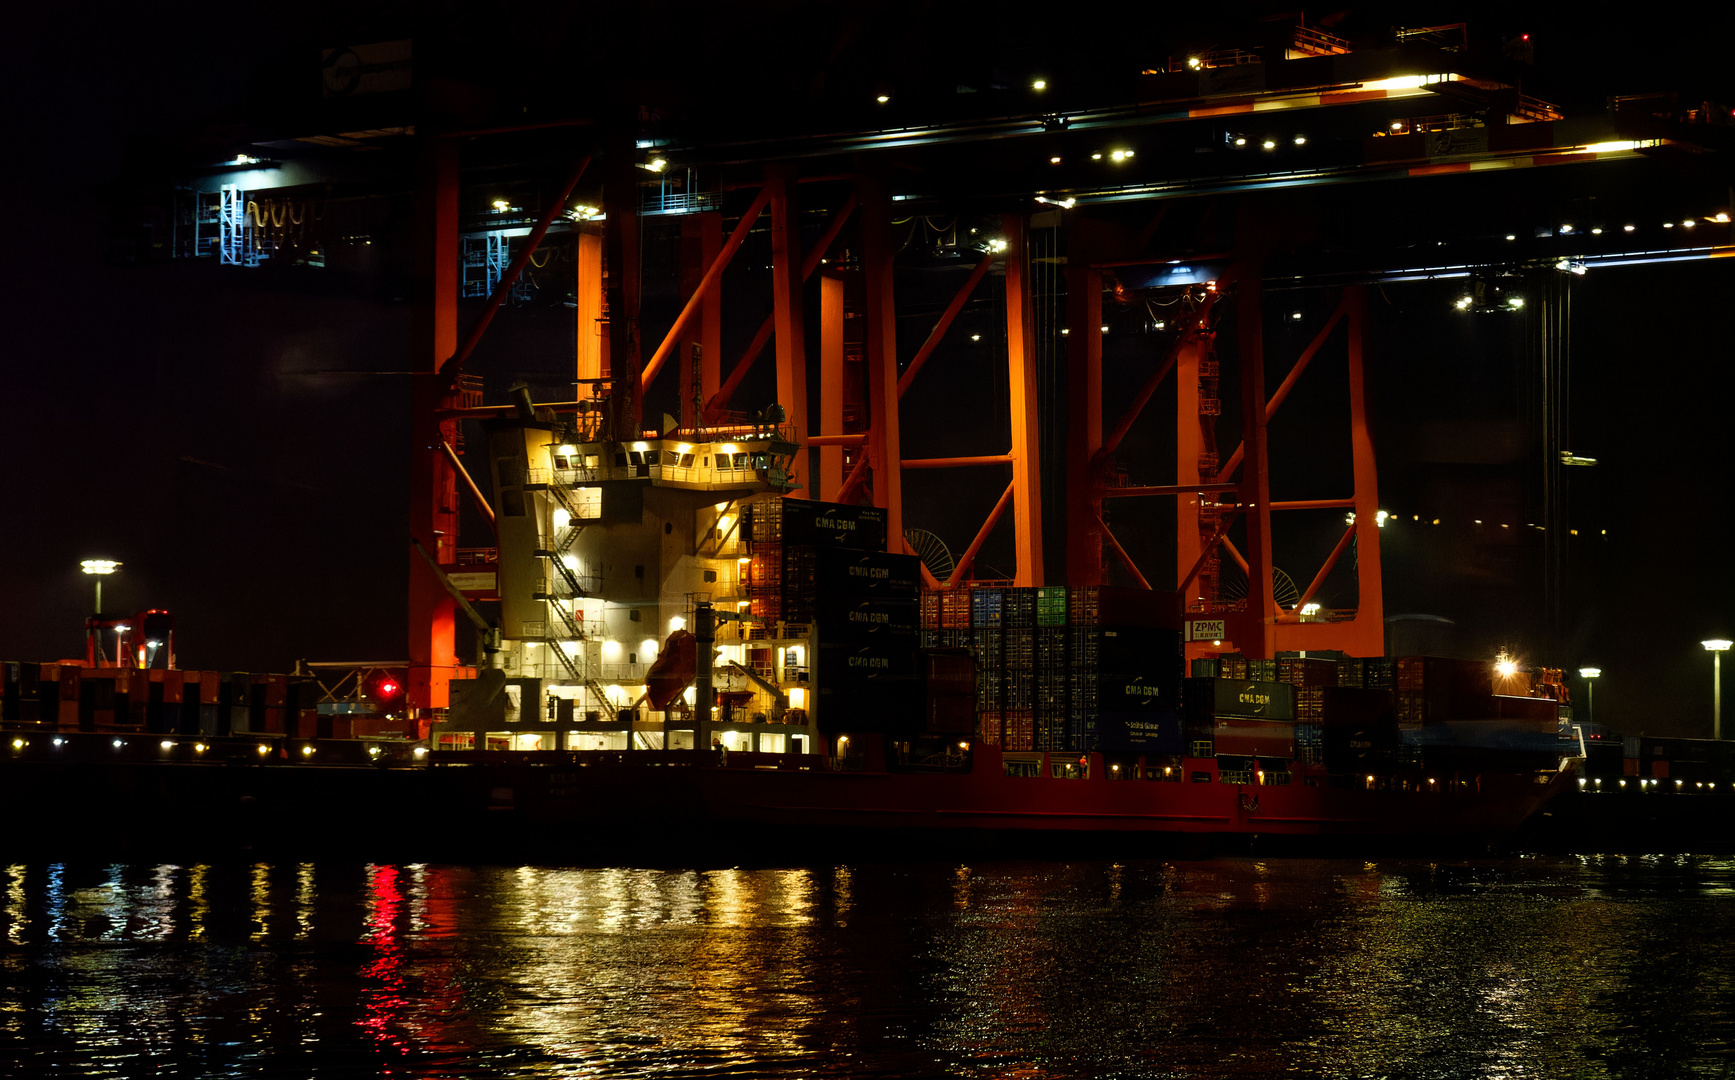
<point x="1717" y="647"/>
<point x="1587" y="674"/>
<point x="99" y="568"/>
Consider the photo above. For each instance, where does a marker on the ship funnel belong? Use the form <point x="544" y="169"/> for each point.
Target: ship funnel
<point x="521" y="401"/>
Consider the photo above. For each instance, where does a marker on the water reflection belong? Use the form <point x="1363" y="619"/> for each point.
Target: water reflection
<point x="1618" y="966"/>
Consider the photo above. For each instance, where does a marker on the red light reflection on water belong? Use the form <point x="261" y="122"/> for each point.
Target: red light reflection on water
<point x="410" y="1004"/>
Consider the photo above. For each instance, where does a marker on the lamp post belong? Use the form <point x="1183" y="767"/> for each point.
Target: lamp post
<point x="1588" y="674"/>
<point x="1717" y="647"/>
<point x="99" y="569"/>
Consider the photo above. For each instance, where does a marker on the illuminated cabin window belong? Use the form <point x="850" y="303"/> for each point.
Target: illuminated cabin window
<point x="1022" y="765"/>
<point x="686" y="461"/>
<point x="587" y="501"/>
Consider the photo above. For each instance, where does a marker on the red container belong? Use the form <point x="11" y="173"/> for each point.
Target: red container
<point x="1307" y="671"/>
<point x="955" y="609"/>
<point x="988" y="731"/>
<point x="1020" y="730"/>
<point x="1254" y="738"/>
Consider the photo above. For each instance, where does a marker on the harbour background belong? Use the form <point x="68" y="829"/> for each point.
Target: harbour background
<point x="1541" y="966"/>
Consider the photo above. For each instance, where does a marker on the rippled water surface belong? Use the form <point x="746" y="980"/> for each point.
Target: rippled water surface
<point x="1580" y="967"/>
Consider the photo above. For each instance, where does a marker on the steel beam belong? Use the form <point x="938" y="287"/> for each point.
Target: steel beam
<point x="1256" y="637"/>
<point x="956" y="462"/>
<point x="1084" y="424"/>
<point x="621" y="205"/>
<point x="831" y="444"/>
<point x="1288" y="383"/>
<point x="881" y="316"/>
<point x="701" y="242"/>
<point x="433" y="483"/>
<point x="476" y="495"/>
<point x="1121" y="553"/>
<point x="554" y="209"/>
<point x="690" y="310"/>
<point x="720" y="401"/>
<point x="787" y="310"/>
<point x="590" y="331"/>
<point x="1026" y="450"/>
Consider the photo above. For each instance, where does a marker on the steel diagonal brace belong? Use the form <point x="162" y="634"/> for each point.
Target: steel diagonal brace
<point x="1121" y="553"/>
<point x="981" y="537"/>
<point x="470" y="484"/>
<point x="1330" y="562"/>
<point x="1271" y="406"/>
<point x="1191" y="334"/>
<point x="450" y="369"/>
<point x="1215" y="538"/>
<point x="719" y="401"/>
<point x="712" y="272"/>
<point x="945" y="323"/>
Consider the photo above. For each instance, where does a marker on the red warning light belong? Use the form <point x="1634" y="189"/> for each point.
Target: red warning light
<point x="1526" y="37"/>
<point x="388" y="687"/>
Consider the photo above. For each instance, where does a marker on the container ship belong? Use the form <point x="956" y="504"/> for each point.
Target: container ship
<point x="841" y="698"/>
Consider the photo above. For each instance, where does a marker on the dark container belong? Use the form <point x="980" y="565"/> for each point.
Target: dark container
<point x="848" y="618"/>
<point x="951" y="691"/>
<point x="1207" y="698"/>
<point x="867" y="573"/>
<point x="802" y="521"/>
<point x="1139" y="692"/>
<point x="1142" y="732"/>
<point x="1371" y="748"/>
<point x="1018" y="608"/>
<point x="1349" y="706"/>
<point x="1131" y="648"/>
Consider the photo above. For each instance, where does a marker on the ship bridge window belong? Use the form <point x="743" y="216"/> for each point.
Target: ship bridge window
<point x="670" y="457"/>
<point x="686" y="461"/>
<point x="620" y="459"/>
<point x="561" y="461"/>
<point x="1022" y="765"/>
<point x="1070" y="768"/>
<point x="743" y="461"/>
<point x="635" y="457"/>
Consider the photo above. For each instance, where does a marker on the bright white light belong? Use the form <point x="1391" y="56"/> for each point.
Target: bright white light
<point x="1596" y="231"/>
<point x="883" y="98"/>
<point x="1301" y="140"/>
<point x="118" y="744"/>
<point x="657" y="164"/>
<point x="1039" y="84"/>
<point x="1406" y="82"/>
<point x="1462" y="302"/>
<point x="99" y="566"/>
<point x="1515" y="301"/>
<point x="166" y="745"/>
<point x="1096" y="157"/>
<point x="1688" y="224"/>
<point x="561" y="518"/>
<point x="1506" y="667"/>
<point x="640" y="447"/>
<point x="502" y="205"/>
<point x="611" y="650"/>
<point x="1721" y="217"/>
<point x="1511" y="236"/>
<point x="677" y="623"/>
<point x="1717" y="645"/>
<point x="1566" y="228"/>
<point x="1193" y="62"/>
<point x="997" y="245"/>
<point x="1589" y="672"/>
<point x="263" y="749"/>
<point x="1380" y="519"/>
<point x="1269" y="144"/>
<point x="307" y="751"/>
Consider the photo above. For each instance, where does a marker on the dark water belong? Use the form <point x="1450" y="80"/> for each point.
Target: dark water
<point x="1572" y="967"/>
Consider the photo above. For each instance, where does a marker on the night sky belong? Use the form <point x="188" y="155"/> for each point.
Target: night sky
<point x="238" y="441"/>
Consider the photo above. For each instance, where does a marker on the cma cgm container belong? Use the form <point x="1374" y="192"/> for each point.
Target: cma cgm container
<point x="800" y="521"/>
<point x="1248" y="699"/>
